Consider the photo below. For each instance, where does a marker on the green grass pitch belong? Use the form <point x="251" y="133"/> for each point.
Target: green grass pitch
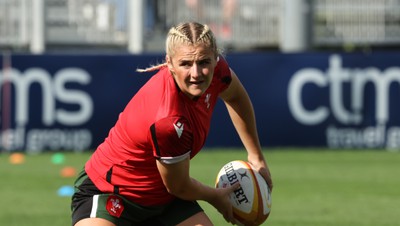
<point x="311" y="187"/>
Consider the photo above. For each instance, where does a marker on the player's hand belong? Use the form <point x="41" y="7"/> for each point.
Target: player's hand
<point x="222" y="202"/>
<point x="262" y="168"/>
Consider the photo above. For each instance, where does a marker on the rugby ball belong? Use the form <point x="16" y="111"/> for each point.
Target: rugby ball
<point x="252" y="200"/>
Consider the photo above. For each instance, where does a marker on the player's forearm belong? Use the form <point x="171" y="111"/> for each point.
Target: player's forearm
<point x="178" y="182"/>
<point x="243" y="118"/>
<point x="193" y="190"/>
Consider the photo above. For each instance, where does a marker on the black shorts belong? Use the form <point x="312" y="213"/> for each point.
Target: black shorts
<point x="88" y="201"/>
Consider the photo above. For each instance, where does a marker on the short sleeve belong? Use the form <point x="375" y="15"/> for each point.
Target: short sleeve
<point x="223" y="73"/>
<point x="172" y="139"/>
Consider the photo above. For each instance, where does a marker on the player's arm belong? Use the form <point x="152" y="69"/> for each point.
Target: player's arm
<point x="242" y="115"/>
<point x="178" y="182"/>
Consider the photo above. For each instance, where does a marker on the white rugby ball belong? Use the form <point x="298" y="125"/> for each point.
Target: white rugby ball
<point x="252" y="201"/>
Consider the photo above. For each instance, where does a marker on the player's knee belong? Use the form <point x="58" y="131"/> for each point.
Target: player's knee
<point x="94" y="221"/>
<point x="198" y="219"/>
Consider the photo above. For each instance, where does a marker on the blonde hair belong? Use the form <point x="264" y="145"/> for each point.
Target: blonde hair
<point x="189" y="33"/>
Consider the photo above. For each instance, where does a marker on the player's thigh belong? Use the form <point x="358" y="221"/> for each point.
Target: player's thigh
<point x="199" y="218"/>
<point x="94" y="221"/>
<point x="183" y="212"/>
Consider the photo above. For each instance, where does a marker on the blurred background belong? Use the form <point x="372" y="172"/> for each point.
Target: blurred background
<point x="47" y="26"/>
<point x="320" y="73"/>
<point x="323" y="75"/>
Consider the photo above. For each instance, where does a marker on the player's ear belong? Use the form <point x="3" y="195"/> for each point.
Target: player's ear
<point x="169" y="63"/>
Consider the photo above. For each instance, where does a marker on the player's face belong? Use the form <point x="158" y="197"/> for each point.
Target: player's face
<point x="192" y="68"/>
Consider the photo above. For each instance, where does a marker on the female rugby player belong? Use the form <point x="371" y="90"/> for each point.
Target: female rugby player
<point x="140" y="174"/>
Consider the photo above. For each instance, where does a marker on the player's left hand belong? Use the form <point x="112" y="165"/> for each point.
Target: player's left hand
<point x="262" y="168"/>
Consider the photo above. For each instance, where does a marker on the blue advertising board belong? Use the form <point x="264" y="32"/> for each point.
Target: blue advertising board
<point x="69" y="102"/>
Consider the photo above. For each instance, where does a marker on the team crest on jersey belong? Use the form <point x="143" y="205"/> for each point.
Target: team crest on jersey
<point x="179" y="128"/>
<point x="207" y="100"/>
<point x="114" y="206"/>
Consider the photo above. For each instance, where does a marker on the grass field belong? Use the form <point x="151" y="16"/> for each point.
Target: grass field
<point x="311" y="187"/>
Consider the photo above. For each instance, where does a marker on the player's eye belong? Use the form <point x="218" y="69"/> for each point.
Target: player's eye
<point x="204" y="62"/>
<point x="185" y="64"/>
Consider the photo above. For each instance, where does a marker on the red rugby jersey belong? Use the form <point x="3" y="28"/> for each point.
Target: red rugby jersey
<point x="159" y="122"/>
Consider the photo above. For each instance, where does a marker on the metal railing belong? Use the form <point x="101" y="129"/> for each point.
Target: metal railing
<point x="358" y="22"/>
<point x="253" y="23"/>
<point x="243" y="23"/>
<point x="88" y="22"/>
<point x="15" y="23"/>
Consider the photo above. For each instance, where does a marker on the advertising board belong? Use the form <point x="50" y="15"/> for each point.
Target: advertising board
<point x="334" y="100"/>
